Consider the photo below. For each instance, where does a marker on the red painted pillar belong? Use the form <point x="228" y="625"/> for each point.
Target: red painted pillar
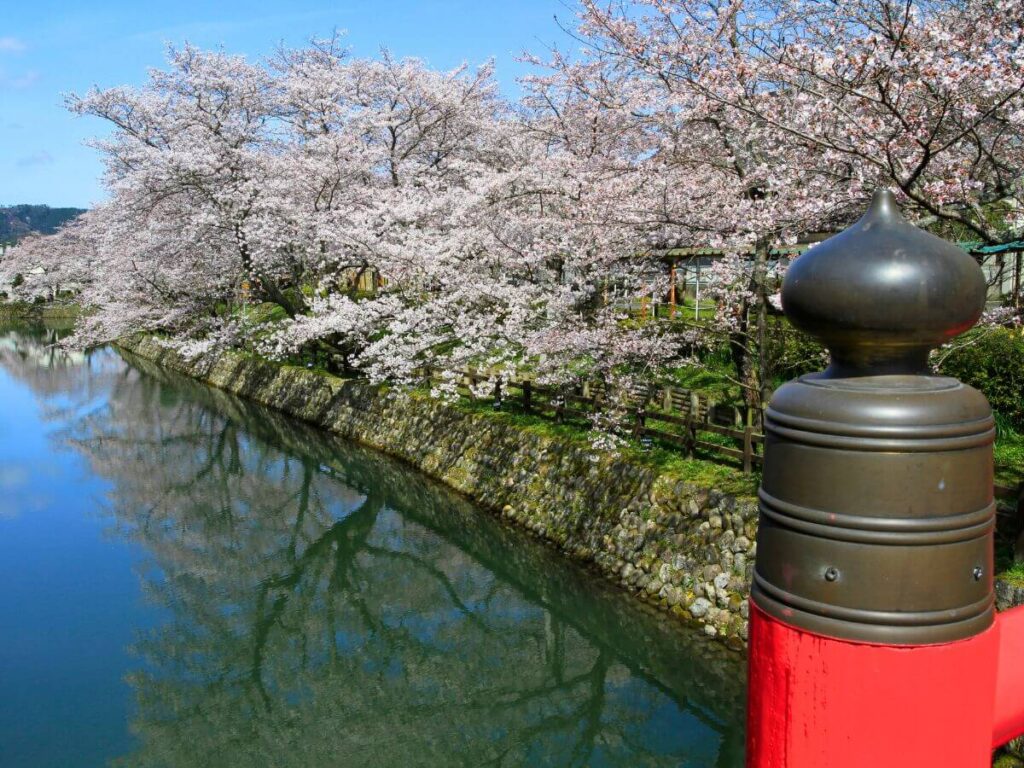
<point x="817" y="701"/>
<point x="1009" y="710"/>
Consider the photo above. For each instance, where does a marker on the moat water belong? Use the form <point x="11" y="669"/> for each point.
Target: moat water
<point x="187" y="579"/>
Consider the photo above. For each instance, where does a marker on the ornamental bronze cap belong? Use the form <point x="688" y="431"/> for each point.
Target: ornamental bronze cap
<point x="883" y="293"/>
<point x="876" y="509"/>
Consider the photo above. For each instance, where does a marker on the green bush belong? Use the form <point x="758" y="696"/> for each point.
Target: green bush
<point x="792" y="353"/>
<point x="712" y="375"/>
<point x="991" y="360"/>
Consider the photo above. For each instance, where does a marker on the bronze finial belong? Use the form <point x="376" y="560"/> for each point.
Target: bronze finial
<point x="883" y="293"/>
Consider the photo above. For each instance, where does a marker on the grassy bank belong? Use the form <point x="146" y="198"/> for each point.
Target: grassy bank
<point x="18" y="310"/>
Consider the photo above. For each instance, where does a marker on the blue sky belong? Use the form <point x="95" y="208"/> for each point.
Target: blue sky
<point x="51" y="47"/>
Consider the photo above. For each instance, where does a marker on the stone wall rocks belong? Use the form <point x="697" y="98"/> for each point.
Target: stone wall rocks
<point x="1009" y="594"/>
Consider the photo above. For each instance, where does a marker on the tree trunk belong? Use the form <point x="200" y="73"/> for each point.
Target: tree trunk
<point x="270" y="286"/>
<point x="748" y="346"/>
<point x="672" y="291"/>
<point x="763" y="375"/>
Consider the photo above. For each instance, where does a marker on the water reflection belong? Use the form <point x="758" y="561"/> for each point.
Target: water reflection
<point x="326" y="606"/>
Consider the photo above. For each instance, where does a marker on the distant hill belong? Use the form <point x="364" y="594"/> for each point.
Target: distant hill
<point x="16" y="221"/>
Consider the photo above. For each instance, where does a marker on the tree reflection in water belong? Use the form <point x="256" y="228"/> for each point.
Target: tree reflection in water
<point x="327" y="606"/>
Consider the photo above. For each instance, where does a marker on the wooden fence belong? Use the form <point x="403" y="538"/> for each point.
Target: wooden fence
<point x="1011" y="496"/>
<point x="680" y="419"/>
<point x="666" y="415"/>
<point x="1010" y="516"/>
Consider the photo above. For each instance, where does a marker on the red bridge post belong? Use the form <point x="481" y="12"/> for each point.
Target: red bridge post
<point x="874" y="641"/>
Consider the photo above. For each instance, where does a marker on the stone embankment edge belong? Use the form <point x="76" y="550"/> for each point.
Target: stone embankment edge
<point x="684" y="548"/>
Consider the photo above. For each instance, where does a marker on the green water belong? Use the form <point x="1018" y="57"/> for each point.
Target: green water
<point x="190" y="580"/>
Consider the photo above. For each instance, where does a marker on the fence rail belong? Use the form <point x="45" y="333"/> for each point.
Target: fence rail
<point x="1010" y="516"/>
<point x="677" y="418"/>
<point x="672" y="416"/>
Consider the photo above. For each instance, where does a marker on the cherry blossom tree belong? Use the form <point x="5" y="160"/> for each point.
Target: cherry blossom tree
<point x="785" y="115"/>
<point x="701" y="174"/>
<point x="42" y="268"/>
<point x="922" y="96"/>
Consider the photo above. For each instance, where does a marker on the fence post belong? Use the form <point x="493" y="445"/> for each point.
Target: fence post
<point x="527" y="395"/>
<point x="1018" y="547"/>
<point x="748" y="450"/>
<point x="690" y="433"/>
<point x="667" y="402"/>
<point x="872" y="632"/>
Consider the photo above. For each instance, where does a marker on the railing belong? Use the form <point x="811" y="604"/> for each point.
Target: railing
<point x="670" y="415"/>
<point x="1010" y="516"/>
<point x="1011" y="496"/>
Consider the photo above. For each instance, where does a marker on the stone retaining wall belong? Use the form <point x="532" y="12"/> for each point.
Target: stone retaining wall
<point x="684" y="548"/>
<point x="1009" y="594"/>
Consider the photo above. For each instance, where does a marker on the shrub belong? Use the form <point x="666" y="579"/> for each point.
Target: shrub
<point x="792" y="353"/>
<point x="991" y="360"/>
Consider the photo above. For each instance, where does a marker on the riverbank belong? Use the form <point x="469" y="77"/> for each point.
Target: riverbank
<point x="681" y="547"/>
<point x="38" y="312"/>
